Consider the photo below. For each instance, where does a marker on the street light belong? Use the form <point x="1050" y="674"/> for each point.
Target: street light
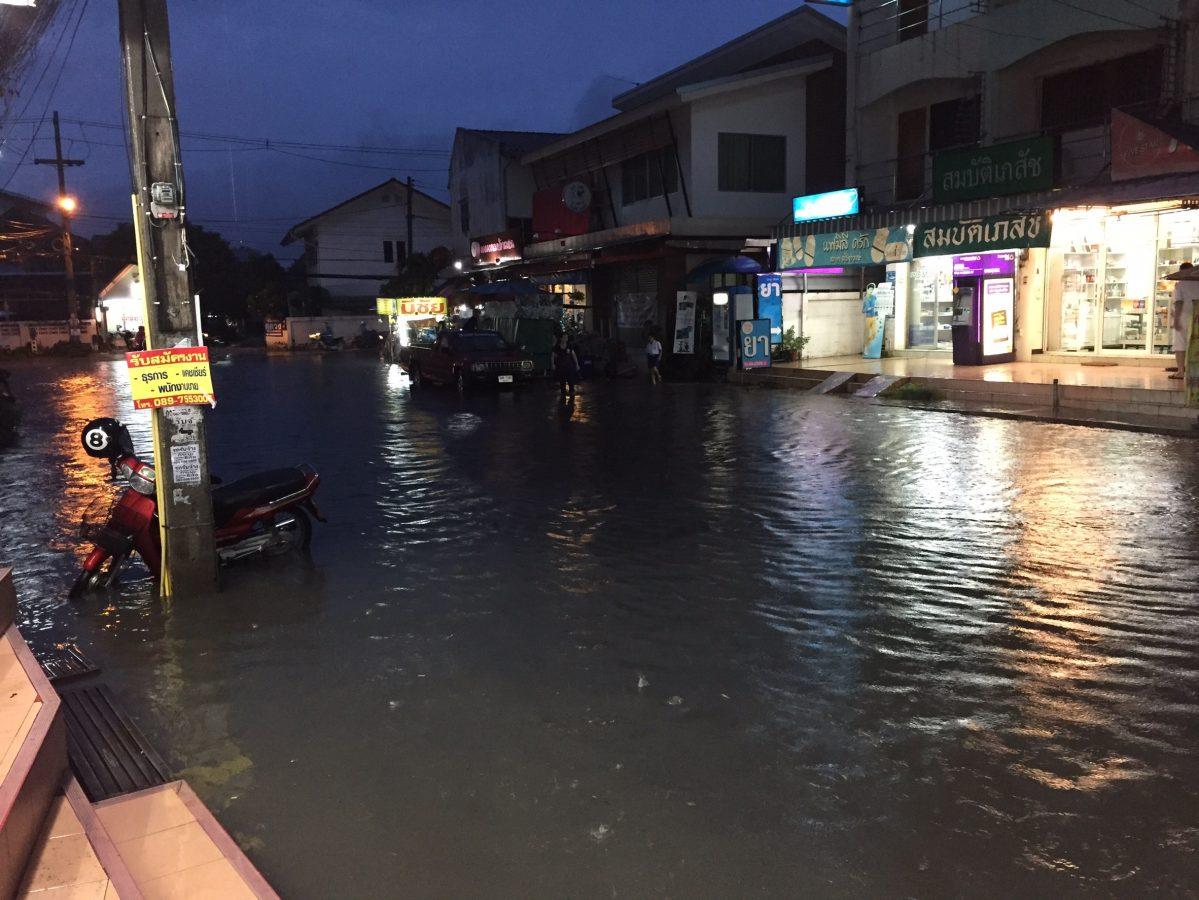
<point x="68" y="204"/>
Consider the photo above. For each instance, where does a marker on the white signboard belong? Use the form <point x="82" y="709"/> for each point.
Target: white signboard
<point x="884" y="298"/>
<point x="185" y="463"/>
<point x="997" y="313"/>
<point x="684" y="321"/>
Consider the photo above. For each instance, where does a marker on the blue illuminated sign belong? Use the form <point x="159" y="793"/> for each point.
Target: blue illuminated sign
<point x="754" y="343"/>
<point x="825" y="206"/>
<point x="770" y="304"/>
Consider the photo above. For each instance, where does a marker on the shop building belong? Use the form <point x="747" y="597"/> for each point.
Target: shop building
<point x="691" y="168"/>
<point x="1067" y="146"/>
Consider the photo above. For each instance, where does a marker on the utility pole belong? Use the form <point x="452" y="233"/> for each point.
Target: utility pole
<point x="66" y="206"/>
<point x="189" y="564"/>
<point x="408" y="252"/>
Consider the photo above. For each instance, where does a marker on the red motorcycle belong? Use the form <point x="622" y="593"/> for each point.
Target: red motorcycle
<point x="267" y="513"/>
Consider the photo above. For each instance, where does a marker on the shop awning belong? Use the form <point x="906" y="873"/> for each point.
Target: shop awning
<point x="510" y="288"/>
<point x="732" y="265"/>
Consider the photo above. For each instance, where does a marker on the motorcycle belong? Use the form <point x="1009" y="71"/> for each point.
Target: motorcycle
<point x="264" y="514"/>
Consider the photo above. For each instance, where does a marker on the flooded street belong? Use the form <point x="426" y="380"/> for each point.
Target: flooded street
<point x="693" y="640"/>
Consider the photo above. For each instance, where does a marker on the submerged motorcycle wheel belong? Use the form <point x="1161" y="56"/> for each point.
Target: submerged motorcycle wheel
<point x="293" y="535"/>
<point x="104" y="577"/>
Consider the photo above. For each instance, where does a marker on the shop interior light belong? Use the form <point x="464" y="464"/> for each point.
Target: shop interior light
<point x="1082" y="214"/>
<point x="458" y="264"/>
<point x="720" y="299"/>
<point x="911" y="229"/>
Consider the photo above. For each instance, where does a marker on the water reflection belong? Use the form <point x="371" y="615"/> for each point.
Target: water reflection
<point x="677" y="642"/>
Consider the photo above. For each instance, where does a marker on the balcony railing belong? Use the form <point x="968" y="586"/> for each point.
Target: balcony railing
<point x="894" y="21"/>
<point x="1082" y="154"/>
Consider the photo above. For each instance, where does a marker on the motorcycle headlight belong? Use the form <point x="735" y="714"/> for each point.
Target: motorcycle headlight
<point x="142" y="481"/>
<point x="526" y="364"/>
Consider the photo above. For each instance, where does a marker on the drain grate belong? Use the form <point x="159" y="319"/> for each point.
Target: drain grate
<point x="108" y="753"/>
<point x="66" y="663"/>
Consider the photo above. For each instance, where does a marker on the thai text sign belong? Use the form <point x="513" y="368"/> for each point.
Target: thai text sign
<point x="1140" y="150"/>
<point x="496" y="248"/>
<point x="845" y="248"/>
<point x="770" y="303"/>
<point x="162" y="378"/>
<point x="754" y="336"/>
<point x="1017" y="230"/>
<point x="1017" y="167"/>
<point x="411" y="306"/>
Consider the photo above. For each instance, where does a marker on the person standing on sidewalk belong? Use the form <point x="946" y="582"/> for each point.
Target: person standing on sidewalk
<point x="653" y="358"/>
<point x="566" y="366"/>
<point x="1183" y="312"/>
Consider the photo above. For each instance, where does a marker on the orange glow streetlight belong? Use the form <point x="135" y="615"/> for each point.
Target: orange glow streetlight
<point x="68" y="204"/>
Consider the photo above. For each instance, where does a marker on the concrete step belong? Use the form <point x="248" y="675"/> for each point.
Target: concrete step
<point x="162" y="842"/>
<point x="836" y="381"/>
<point x="33" y="745"/>
<point x="877" y="385"/>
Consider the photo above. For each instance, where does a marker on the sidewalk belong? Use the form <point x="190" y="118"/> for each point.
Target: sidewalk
<point x="1136" y="398"/>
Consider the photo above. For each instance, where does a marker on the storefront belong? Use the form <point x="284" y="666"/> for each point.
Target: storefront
<point x="411" y="319"/>
<point x="1106" y="292"/>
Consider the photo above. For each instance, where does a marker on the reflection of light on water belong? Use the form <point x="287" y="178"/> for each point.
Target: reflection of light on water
<point x="396" y="379"/>
<point x="463" y="424"/>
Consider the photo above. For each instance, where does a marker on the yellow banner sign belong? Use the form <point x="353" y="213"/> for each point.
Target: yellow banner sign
<point x="162" y="378"/>
<point x="411" y="306"/>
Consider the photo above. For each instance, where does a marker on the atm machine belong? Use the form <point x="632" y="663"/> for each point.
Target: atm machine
<point x="984" y="308"/>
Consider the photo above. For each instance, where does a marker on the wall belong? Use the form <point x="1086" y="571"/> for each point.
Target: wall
<point x="774" y="108"/>
<point x="835" y="324"/>
<point x="349" y="241"/>
<point x="477" y="171"/>
<point x="296" y="329"/>
<point x="15" y="335"/>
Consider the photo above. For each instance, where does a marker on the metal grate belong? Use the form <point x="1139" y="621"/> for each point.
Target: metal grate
<point x="108" y="753"/>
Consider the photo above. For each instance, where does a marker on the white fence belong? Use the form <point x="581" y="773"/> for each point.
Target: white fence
<point x="15" y="335"/>
<point x="293" y="332"/>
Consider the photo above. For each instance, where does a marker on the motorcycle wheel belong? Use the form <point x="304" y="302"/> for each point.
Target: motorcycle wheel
<point x="93" y="581"/>
<point x="295" y="536"/>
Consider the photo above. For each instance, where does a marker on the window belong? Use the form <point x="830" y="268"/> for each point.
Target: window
<point x="389" y="255"/>
<point x="1084" y="97"/>
<point x="954" y="123"/>
<point x="752" y="162"/>
<point x="652" y="174"/>
<point x="913" y="19"/>
<point x="464" y="213"/>
<point x="910" y="134"/>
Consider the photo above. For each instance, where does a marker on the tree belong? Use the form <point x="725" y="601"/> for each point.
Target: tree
<point x="225" y="279"/>
<point x="417" y="278"/>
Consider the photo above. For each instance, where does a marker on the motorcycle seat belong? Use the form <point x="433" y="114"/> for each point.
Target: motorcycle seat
<point x="255" y="490"/>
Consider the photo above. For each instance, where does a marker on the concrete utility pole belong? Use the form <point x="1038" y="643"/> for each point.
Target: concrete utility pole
<point x="66" y="206"/>
<point x="185" y="504"/>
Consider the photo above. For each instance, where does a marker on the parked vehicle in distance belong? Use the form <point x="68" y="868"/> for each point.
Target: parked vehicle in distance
<point x="465" y="358"/>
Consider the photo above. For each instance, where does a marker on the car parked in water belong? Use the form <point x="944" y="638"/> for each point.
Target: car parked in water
<point x="466" y="358"/>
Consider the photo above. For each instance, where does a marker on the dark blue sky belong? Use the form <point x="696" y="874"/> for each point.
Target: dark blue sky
<point x="358" y="72"/>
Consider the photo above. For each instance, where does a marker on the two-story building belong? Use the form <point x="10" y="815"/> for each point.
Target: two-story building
<point x="1053" y="133"/>
<point x="352" y="248"/>
<point x="693" y="166"/>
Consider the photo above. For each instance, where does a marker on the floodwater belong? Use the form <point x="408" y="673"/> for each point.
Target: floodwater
<point x="692" y="640"/>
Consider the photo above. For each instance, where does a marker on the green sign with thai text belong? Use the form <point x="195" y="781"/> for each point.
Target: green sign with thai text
<point x="876" y="247"/>
<point x="1017" y="167"/>
<point x="1011" y="232"/>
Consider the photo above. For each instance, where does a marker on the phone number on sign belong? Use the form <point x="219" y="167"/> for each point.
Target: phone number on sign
<point x="173" y="400"/>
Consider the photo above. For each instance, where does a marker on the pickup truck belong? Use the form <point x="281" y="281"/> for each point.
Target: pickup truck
<point x="466" y="358"/>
